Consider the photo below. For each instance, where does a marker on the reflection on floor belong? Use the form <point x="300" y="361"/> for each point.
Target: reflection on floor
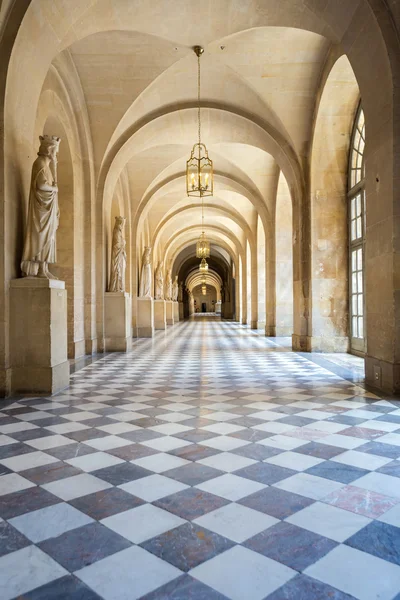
<point x="208" y="464"/>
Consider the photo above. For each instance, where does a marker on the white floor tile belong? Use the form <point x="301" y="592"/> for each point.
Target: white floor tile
<point x="160" y="462"/>
<point x="14" y="483"/>
<point x="153" y="487"/>
<point x="107" y="443"/>
<point x="22" y="462"/>
<point x="170" y="428"/>
<point x="392" y="516"/>
<point x="309" y="485"/>
<point x="223" y="428"/>
<point x="225" y="443"/>
<point x="342" y="441"/>
<point x="329" y="521"/>
<point x="361" y="460"/>
<point x="67" y="427"/>
<point x="379" y="483"/>
<point x="357" y="573"/>
<point x="241" y="574"/>
<point x="283" y="442"/>
<point x="236" y="522"/>
<point x="76" y="486"/>
<point x="127" y="575"/>
<point x="227" y="461"/>
<point x="294" y="460"/>
<point x="91" y="462"/>
<point x="117" y="428"/>
<point x="166" y="443"/>
<point x="142" y="523"/>
<point x="50" y="441"/>
<point x="231" y="487"/>
<point x="49" y="522"/>
<point x="38" y="569"/>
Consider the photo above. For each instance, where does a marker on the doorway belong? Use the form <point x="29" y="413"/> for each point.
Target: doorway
<point x="204" y="307"/>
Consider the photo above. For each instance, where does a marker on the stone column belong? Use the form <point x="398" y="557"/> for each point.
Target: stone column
<point x="160" y="315"/>
<point x="117" y="322"/>
<point x="254" y="288"/>
<point x="176" y="312"/>
<point x="145" y="317"/>
<point x="170" y="312"/>
<point x="38" y="335"/>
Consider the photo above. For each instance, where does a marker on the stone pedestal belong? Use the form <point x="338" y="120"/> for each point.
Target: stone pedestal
<point x="117" y="322"/>
<point x="160" y="318"/>
<point x="145" y="317"/>
<point x="176" y="312"/>
<point x="181" y="311"/>
<point x="169" y="305"/>
<point x="38" y="335"/>
<point x="218" y="308"/>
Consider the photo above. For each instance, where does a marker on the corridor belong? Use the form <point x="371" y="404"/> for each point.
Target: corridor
<point x="209" y="463"/>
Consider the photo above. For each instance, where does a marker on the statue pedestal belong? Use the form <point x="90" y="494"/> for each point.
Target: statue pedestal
<point x="38" y="335"/>
<point x="181" y="311"/>
<point x="169" y="305"/>
<point x="218" y="308"/>
<point x="176" y="312"/>
<point x="145" y="317"/>
<point x="117" y="322"/>
<point x="160" y="315"/>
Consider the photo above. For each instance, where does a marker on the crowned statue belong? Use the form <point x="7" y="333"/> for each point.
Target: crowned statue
<point x="43" y="212"/>
<point x="118" y="257"/>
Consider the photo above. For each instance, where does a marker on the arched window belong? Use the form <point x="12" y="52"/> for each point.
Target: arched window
<point x="356" y="198"/>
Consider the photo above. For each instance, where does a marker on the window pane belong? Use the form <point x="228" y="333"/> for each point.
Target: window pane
<point x="359" y="259"/>
<point x="353" y="208"/>
<point x="358" y="205"/>
<point x="360" y="281"/>
<point x="354" y="261"/>
<point x="360" y="305"/>
<point x="360" y="327"/>
<point x="353" y="230"/>
<point x="354" y="283"/>
<point x="359" y="228"/>
<point x="354" y="304"/>
<point x="354" y="327"/>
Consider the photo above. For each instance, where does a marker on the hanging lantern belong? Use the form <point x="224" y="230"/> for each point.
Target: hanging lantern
<point x="203" y="268"/>
<point x="199" y="167"/>
<point x="203" y="247"/>
<point x="204" y="290"/>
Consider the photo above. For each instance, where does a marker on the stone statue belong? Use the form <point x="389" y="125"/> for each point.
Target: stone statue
<point x="180" y="294"/>
<point x="145" y="276"/>
<point x="168" y="286"/>
<point x="159" y="281"/>
<point x="43" y="212"/>
<point x="118" y="257"/>
<point x="175" y="289"/>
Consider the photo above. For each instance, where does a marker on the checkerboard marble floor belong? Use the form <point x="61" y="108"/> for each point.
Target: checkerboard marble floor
<point x="208" y="464"/>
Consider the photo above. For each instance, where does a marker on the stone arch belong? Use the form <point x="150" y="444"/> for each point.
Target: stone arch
<point x="329" y="238"/>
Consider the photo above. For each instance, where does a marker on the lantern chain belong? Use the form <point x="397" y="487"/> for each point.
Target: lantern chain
<point x="198" y="97"/>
